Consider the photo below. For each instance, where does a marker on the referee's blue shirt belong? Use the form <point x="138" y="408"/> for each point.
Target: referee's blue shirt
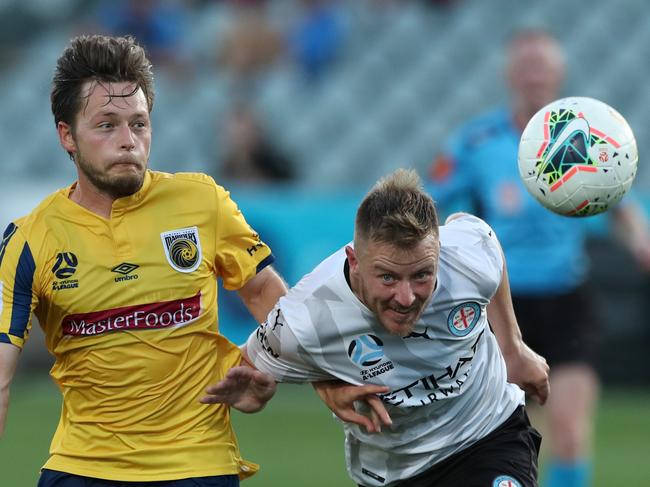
<point x="478" y="172"/>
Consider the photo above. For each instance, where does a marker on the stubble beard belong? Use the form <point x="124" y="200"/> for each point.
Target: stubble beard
<point x="404" y="329"/>
<point x="118" y="186"/>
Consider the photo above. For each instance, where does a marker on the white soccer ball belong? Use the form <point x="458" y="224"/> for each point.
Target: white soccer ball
<point x="577" y="156"/>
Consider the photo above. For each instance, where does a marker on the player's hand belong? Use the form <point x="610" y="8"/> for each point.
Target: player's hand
<point x="243" y="388"/>
<point x="340" y="397"/>
<point x="529" y="371"/>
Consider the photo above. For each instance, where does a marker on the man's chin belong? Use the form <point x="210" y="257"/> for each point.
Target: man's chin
<point x="401" y="329"/>
<point x="125" y="185"/>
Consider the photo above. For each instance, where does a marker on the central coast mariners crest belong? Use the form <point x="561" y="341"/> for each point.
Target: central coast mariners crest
<point x="182" y="248"/>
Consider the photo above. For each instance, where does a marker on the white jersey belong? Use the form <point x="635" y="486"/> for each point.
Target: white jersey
<point x="447" y="379"/>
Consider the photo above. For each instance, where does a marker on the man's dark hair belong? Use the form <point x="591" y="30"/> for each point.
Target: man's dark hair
<point x="102" y="59"/>
<point x="396" y="211"/>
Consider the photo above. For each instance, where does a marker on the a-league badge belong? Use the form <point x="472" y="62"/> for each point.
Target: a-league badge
<point x="366" y="350"/>
<point x="182" y="248"/>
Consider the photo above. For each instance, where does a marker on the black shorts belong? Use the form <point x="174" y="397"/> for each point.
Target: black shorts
<point x="563" y="328"/>
<point x="53" y="478"/>
<point x="508" y="454"/>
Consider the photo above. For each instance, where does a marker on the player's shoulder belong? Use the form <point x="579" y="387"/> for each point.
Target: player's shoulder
<point x="31" y="233"/>
<point x="193" y="189"/>
<point x="464" y="230"/>
<point x="316" y="288"/>
<point x="470" y="240"/>
<point x="35" y="219"/>
<point x="483" y="127"/>
<point x="189" y="180"/>
<point x="469" y="250"/>
<point x="466" y="222"/>
<point x="323" y="275"/>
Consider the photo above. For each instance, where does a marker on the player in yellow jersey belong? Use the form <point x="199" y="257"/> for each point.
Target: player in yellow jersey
<point x="120" y="269"/>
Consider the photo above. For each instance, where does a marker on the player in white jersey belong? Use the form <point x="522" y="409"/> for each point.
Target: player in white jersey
<point x="407" y="308"/>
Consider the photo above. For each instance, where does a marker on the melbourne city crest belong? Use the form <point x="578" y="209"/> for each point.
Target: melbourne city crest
<point x="463" y="318"/>
<point x="182" y="248"/>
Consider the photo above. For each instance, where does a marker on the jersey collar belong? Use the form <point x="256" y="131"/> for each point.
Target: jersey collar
<point x="122" y="204"/>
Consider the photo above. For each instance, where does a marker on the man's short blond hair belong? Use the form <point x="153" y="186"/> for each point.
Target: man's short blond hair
<point x="397" y="211"/>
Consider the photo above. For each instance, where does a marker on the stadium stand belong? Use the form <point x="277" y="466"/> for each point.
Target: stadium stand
<point x="405" y="77"/>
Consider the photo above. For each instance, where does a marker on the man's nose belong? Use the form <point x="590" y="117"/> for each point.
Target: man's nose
<point x="404" y="294"/>
<point x="127" y="140"/>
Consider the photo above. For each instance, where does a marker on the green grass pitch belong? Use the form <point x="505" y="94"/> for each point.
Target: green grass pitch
<point x="299" y="444"/>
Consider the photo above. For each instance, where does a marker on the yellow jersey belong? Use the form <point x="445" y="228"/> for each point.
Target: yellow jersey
<point x="129" y="310"/>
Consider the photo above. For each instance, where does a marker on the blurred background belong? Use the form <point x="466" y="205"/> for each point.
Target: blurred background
<point x="297" y="107"/>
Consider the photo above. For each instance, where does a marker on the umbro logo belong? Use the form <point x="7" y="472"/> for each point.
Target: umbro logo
<point x="125" y="268"/>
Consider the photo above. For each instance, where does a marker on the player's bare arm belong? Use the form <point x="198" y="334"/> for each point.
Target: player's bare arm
<point x="244" y="388"/>
<point x="8" y="360"/>
<point x="340" y="397"/>
<point x="261" y="293"/>
<point x="526" y="368"/>
<point x="248" y="390"/>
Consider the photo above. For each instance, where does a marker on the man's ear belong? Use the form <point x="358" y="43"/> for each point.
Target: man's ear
<point x="66" y="138"/>
<point x="352" y="258"/>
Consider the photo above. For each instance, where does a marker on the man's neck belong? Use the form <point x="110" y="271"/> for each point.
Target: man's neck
<point x="92" y="199"/>
<point x="353" y="281"/>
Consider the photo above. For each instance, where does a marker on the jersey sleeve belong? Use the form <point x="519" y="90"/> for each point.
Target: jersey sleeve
<point x="17" y="271"/>
<point x="240" y="252"/>
<point x="486" y="247"/>
<point x="273" y="348"/>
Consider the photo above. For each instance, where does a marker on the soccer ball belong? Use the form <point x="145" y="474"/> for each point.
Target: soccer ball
<point x="577" y="156"/>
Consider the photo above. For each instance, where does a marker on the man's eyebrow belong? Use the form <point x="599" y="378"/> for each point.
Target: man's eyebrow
<point x="109" y="113"/>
